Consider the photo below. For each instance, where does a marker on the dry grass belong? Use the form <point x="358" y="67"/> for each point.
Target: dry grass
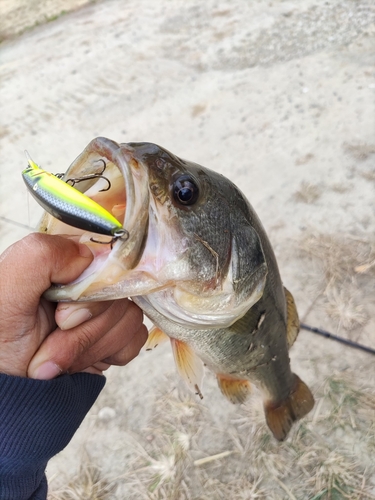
<point x="198" y="109"/>
<point x="19" y="16"/>
<point x="369" y="175"/>
<point x="302" y="160"/>
<point x="344" y="272"/>
<point x="362" y="153"/>
<point x="328" y="455"/>
<point x="340" y="188"/>
<point x="359" y="151"/>
<point x="88" y="484"/>
<point x="307" y="193"/>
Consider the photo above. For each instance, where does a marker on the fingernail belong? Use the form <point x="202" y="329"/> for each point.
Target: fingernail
<point x="47" y="371"/>
<point x="75" y="318"/>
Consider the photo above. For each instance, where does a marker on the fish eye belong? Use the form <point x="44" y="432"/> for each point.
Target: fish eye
<point x="185" y="190"/>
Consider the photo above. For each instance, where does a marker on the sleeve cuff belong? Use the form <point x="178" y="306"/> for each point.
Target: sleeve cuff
<point x="38" y="418"/>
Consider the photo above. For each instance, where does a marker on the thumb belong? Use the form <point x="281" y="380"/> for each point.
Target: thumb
<point x="37" y="261"/>
<point x="27" y="270"/>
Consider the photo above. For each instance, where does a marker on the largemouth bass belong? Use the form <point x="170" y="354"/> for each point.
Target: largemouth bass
<point x="199" y="264"/>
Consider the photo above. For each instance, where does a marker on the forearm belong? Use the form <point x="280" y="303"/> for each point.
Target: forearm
<point x="37" y="420"/>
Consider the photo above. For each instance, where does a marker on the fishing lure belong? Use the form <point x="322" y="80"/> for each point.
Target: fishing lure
<point x="69" y="205"/>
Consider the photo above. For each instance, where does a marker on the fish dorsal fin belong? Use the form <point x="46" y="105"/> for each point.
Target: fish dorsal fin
<point x="292" y="327"/>
<point x="155" y="337"/>
<point x="189" y="366"/>
<point x="235" y="390"/>
<point x="281" y="415"/>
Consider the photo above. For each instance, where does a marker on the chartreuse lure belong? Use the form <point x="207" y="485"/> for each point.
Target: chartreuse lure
<point x="70" y="205"/>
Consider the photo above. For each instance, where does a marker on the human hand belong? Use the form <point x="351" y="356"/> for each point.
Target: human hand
<point x="90" y="337"/>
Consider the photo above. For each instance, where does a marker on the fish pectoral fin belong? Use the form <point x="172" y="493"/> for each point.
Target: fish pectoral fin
<point x="280" y="416"/>
<point x="189" y="365"/>
<point x="236" y="390"/>
<point x="155" y="337"/>
<point x="292" y="327"/>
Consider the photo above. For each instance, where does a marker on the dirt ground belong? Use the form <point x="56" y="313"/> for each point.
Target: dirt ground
<point x="279" y="97"/>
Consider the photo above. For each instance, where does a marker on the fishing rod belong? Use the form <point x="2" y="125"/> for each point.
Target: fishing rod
<point x="328" y="335"/>
<point x="15" y="223"/>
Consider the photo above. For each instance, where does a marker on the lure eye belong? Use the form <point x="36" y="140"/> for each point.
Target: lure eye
<point x="185" y="190"/>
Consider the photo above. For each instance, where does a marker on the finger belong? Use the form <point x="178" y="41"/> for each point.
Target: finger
<point x="131" y="350"/>
<point x="100" y="365"/>
<point x="97" y="368"/>
<point x="93" y="370"/>
<point x="122" y="357"/>
<point x="71" y="314"/>
<point x="40" y="260"/>
<point x="64" y="348"/>
<point x="126" y="338"/>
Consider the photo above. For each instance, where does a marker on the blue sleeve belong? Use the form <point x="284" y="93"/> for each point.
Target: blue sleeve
<point x="37" y="420"/>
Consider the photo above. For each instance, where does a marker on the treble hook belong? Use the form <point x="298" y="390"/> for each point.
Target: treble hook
<point x="120" y="234"/>
<point x="75" y="180"/>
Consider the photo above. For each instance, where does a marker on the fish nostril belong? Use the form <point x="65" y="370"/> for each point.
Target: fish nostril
<point x="134" y="164"/>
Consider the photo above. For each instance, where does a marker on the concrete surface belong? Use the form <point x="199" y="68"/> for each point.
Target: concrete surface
<point x="278" y="96"/>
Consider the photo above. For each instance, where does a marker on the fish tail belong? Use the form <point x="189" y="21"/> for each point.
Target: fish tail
<point x="281" y="415"/>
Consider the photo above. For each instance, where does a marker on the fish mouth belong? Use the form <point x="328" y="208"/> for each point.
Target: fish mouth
<point x="159" y="256"/>
<point x="110" y="174"/>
